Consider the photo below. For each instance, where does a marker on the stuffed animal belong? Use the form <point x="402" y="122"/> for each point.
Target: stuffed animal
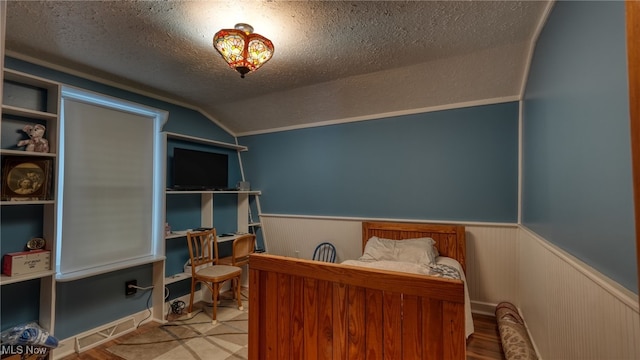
<point x="36" y="141"/>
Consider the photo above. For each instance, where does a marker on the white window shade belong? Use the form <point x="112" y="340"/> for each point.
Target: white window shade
<point x="109" y="215"/>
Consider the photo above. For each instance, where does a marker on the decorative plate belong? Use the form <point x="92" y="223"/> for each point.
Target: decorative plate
<point x="35" y="244"/>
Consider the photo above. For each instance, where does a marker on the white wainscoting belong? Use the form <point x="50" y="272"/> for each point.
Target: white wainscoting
<point x="571" y="310"/>
<point x="299" y="236"/>
<point x="491" y="251"/>
<point x="491" y="262"/>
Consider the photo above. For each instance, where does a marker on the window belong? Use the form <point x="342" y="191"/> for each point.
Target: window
<point x="110" y="186"/>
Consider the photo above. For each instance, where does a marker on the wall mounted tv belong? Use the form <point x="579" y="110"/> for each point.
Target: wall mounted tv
<point x="200" y="170"/>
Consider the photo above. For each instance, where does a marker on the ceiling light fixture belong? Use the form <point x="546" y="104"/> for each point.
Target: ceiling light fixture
<point x="243" y="50"/>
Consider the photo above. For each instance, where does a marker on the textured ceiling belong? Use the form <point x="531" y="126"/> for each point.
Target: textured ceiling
<point x="333" y="60"/>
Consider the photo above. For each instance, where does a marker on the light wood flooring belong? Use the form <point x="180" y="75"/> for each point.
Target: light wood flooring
<point x="484" y="344"/>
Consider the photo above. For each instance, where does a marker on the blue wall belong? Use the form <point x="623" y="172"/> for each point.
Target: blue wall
<point x="84" y="304"/>
<point x="22" y="306"/>
<point x="577" y="155"/>
<point x="457" y="164"/>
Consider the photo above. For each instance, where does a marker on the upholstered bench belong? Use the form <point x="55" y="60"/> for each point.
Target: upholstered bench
<point x="513" y="334"/>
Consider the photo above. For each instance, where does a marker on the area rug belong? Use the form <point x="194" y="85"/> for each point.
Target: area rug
<point x="193" y="338"/>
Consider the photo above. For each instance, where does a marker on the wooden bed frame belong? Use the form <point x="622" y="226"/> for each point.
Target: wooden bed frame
<point x="304" y="309"/>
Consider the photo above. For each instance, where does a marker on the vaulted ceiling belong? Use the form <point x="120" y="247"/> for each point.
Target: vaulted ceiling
<point x="333" y="61"/>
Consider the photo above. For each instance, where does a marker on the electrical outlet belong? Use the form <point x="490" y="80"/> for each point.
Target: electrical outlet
<point x="130" y="290"/>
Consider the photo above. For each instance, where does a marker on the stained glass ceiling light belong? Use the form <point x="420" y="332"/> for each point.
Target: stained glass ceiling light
<point x="243" y="50"/>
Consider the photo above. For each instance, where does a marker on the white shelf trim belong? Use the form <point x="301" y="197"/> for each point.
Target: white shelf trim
<point x="250" y="192"/>
<point x="5" y="279"/>
<point x="200" y="140"/>
<point x="183" y="233"/>
<point x="34" y="114"/>
<point x="176" y="277"/>
<point x="30" y="202"/>
<point x="28" y="79"/>
<point x="26" y="153"/>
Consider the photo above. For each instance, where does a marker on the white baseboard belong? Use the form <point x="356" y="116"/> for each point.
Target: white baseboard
<point x="531" y="338"/>
<point x="101" y="334"/>
<point x="484" y="308"/>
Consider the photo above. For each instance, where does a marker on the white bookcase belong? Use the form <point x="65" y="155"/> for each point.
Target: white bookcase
<point x="244" y="217"/>
<point x="27" y="99"/>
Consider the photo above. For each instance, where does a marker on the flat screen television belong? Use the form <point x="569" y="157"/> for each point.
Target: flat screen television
<point x="200" y="170"/>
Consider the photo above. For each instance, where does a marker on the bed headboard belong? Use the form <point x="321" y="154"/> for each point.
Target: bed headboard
<point x="450" y="239"/>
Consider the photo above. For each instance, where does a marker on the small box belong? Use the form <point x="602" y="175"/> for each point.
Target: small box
<point x="26" y="262"/>
<point x="244" y="186"/>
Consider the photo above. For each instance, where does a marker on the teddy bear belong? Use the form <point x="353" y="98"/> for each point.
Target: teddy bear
<point x="36" y="141"/>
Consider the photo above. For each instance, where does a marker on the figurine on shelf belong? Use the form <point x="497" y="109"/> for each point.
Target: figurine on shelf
<point x="36" y="141"/>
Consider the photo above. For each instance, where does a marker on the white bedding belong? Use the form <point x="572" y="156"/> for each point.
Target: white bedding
<point x="413" y="268"/>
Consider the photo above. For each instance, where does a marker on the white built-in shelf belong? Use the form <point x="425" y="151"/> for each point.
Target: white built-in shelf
<point x="26" y="153"/>
<point x="199" y="140"/>
<point x="32" y="99"/>
<point x="28" y="79"/>
<point x="250" y="192"/>
<point x="183" y="233"/>
<point x="175" y="235"/>
<point x="32" y="114"/>
<point x="176" y="277"/>
<point x="5" y="280"/>
<point x="30" y="202"/>
<point x="228" y="238"/>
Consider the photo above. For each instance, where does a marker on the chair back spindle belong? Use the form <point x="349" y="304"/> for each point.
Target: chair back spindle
<point x="325" y="252"/>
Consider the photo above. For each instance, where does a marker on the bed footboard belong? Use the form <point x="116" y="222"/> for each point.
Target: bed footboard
<point x="303" y="309"/>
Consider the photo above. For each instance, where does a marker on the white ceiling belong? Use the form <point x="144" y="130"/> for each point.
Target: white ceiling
<point x="333" y="60"/>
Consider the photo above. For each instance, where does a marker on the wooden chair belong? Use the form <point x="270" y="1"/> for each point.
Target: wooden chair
<point x="243" y="246"/>
<point x="205" y="268"/>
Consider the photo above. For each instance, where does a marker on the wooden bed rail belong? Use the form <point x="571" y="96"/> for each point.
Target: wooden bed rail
<point x="303" y="309"/>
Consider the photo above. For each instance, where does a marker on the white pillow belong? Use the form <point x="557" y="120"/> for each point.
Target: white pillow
<point x="418" y="251"/>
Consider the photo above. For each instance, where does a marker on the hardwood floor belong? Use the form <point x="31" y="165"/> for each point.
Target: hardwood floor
<point x="101" y="352"/>
<point x="484" y="344"/>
